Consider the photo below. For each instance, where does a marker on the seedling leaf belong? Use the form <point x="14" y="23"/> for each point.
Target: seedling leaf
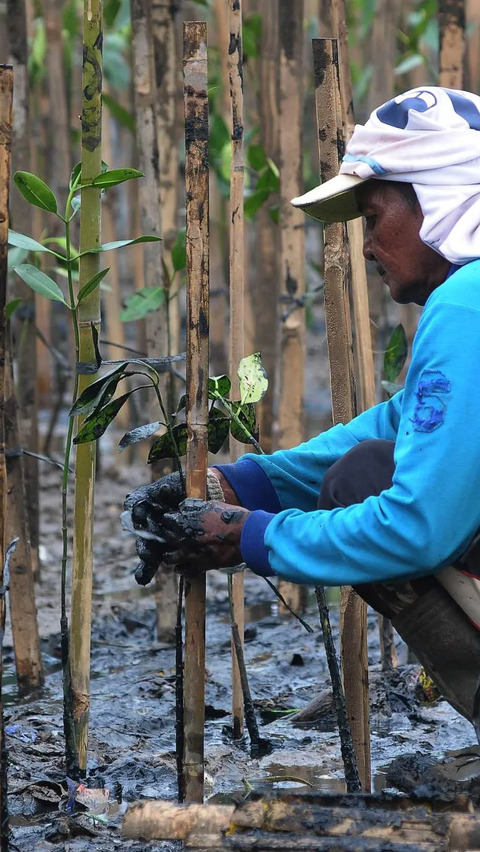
<point x="74" y="174"/>
<point x="138" y="434"/>
<point x="35" y="191"/>
<point x="11" y="307"/>
<point x="218" y="428"/>
<point x="92" y="285"/>
<point x="395" y="354"/>
<point x="113" y="177"/>
<point x="94" y="427"/>
<point x="86" y="402"/>
<point x="218" y="385"/>
<point x="163" y="447"/>
<point x="147" y="238"/>
<point x="179" y="252"/>
<point x="253" y="379"/>
<point x="143" y="302"/>
<point x="41" y="283"/>
<point x="246" y="415"/>
<point x="26" y="243"/>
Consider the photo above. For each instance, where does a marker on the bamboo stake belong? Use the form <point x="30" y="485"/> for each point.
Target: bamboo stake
<point x="451" y="19"/>
<point x="197" y="242"/>
<point x="339" y="341"/>
<point x="6" y="104"/>
<point x="21" y="220"/>
<point x="292" y="242"/>
<point x="88" y="320"/>
<point x="26" y="641"/>
<point x="264" y="284"/>
<point x="236" y="289"/>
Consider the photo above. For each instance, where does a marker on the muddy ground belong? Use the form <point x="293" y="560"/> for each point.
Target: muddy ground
<point x="132" y="712"/>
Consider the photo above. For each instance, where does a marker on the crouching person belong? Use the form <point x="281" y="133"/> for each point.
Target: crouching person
<point x="389" y="503"/>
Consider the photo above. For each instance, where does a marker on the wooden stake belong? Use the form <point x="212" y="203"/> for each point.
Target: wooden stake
<point x="6" y="103"/>
<point x="26" y="641"/>
<point x="292" y="242"/>
<point x="21" y="220"/>
<point x="451" y="19"/>
<point x="339" y="341"/>
<point x="197" y="241"/>
<point x="88" y="319"/>
<point x="236" y="289"/>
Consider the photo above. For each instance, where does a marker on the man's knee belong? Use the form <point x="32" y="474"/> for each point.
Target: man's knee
<point x="365" y="470"/>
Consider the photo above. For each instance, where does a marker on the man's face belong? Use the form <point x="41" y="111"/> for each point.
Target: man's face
<point x="410" y="269"/>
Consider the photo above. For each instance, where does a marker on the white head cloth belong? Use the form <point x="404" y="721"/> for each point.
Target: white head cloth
<point x="428" y="137"/>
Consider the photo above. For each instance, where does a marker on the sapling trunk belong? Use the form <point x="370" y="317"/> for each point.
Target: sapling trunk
<point x="342" y="378"/>
<point x="236" y="289"/>
<point x="88" y="323"/>
<point x="6" y="101"/>
<point x="292" y="244"/>
<point x="197" y="243"/>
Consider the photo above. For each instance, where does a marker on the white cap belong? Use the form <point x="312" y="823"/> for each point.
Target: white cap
<point x="332" y="201"/>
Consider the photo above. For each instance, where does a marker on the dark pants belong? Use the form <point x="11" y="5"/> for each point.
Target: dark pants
<point x="423" y="613"/>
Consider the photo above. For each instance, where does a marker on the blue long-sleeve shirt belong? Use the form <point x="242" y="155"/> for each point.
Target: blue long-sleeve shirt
<point x="432" y="510"/>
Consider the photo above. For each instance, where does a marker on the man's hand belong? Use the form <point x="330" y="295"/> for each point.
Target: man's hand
<point x="202" y="535"/>
<point x="148" y="505"/>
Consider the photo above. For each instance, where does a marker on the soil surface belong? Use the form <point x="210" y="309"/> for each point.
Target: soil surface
<point x="132" y="739"/>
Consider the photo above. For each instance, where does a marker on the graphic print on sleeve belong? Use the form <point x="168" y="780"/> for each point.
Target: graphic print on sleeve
<point x="431" y="409"/>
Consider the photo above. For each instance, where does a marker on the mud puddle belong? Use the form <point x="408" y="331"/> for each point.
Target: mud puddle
<point x="132" y="738"/>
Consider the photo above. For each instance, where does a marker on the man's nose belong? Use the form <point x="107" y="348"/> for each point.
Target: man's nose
<point x="367" y="247"/>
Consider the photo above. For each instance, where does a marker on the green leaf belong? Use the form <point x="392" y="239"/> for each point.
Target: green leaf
<point x="182" y="402"/>
<point x="391" y="387"/>
<point x="256" y="157"/>
<point x="395" y="354"/>
<point x="16" y="256"/>
<point x="24" y="242"/>
<point x="252" y="35"/>
<point x="274" y="213"/>
<point x="76" y="203"/>
<point x="246" y="414"/>
<point x="179" y="252"/>
<point x="95" y="425"/>
<point x="253" y="379"/>
<point x="75" y="174"/>
<point x="138" y="434"/>
<point x="254" y="201"/>
<point x="147" y="238"/>
<point x="110" y="11"/>
<point x="219" y="136"/>
<point x="409" y="63"/>
<point x="143" y="302"/>
<point x="219" y="385"/>
<point x="218" y="429"/>
<point x="89" y="398"/>
<point x="92" y="285"/>
<point x="163" y="448"/>
<point x="11" y="307"/>
<point x="120" y="114"/>
<point x="35" y="191"/>
<point x="41" y="283"/>
<point x="113" y="177"/>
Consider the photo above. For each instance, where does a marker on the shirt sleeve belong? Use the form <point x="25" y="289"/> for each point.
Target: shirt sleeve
<point x="432" y="510"/>
<point x="293" y="478"/>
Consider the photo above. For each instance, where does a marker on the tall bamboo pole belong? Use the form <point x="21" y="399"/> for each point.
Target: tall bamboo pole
<point x="197" y="241"/>
<point x="21" y="220"/>
<point x="292" y="244"/>
<point x="236" y="289"/>
<point x="89" y="319"/>
<point x="264" y="285"/>
<point x="6" y="103"/>
<point x="451" y="18"/>
<point x="339" y="341"/>
<point x="26" y="641"/>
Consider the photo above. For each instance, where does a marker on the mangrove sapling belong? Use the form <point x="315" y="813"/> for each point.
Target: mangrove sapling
<point x="39" y="194"/>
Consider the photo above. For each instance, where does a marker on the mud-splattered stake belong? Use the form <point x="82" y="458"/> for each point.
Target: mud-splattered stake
<point x="236" y="291"/>
<point x="197" y="245"/>
<point x="88" y="323"/>
<point x="451" y="20"/>
<point x="292" y="244"/>
<point x="353" y="624"/>
<point x="352" y="778"/>
<point x="179" y="686"/>
<point x="6" y="102"/>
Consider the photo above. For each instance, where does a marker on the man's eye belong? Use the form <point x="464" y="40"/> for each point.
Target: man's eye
<point x="370" y="220"/>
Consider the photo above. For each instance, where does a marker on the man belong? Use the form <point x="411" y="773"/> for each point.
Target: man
<point x="389" y="503"/>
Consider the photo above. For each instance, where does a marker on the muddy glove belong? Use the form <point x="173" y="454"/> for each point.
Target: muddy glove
<point x="144" y="510"/>
<point x="202" y="535"/>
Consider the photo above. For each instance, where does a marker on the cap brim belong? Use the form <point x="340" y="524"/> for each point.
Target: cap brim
<point x="332" y="201"/>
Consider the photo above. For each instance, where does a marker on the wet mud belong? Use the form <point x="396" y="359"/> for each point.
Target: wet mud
<point x="132" y="735"/>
